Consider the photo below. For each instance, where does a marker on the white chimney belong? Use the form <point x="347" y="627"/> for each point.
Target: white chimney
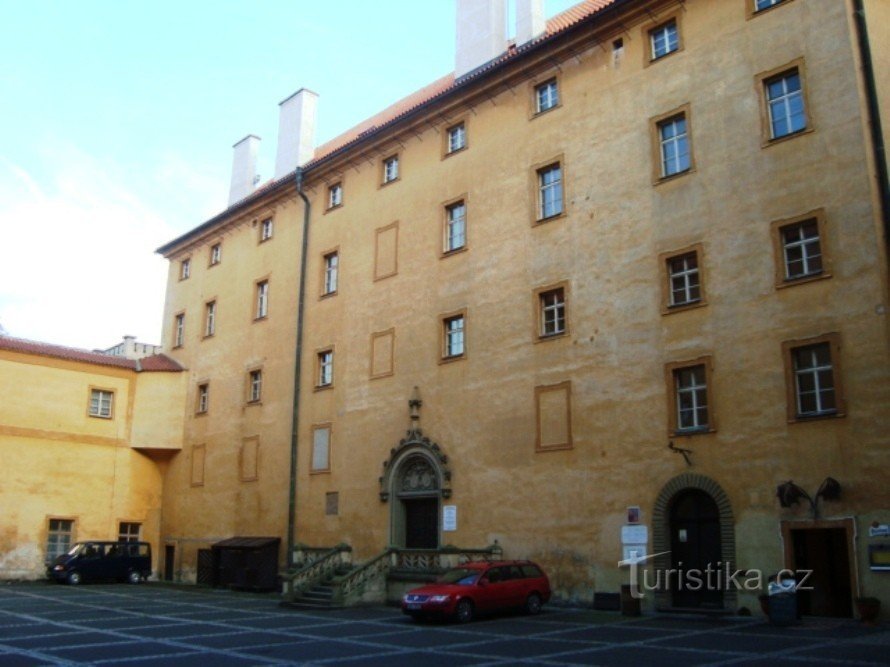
<point x="530" y="20"/>
<point x="244" y="168"/>
<point x="296" y="131"/>
<point x="481" y="33"/>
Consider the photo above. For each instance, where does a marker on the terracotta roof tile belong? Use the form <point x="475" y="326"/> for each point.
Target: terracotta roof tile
<point x="157" y="362"/>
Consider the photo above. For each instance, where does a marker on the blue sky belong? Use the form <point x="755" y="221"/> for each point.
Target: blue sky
<point x="118" y="120"/>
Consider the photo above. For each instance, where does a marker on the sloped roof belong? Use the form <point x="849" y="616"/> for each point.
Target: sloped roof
<point x="155" y="363"/>
<point x="555" y="26"/>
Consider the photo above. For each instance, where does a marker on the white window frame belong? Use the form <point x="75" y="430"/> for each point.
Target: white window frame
<point x="255" y="390"/>
<point x="760" y="5"/>
<point x="215" y="254"/>
<point x="676" y="156"/>
<point x="266" y="229"/>
<point x="331" y="272"/>
<point x="454" y="336"/>
<point x="125" y="531"/>
<point x="809" y="248"/>
<point x="203" y="397"/>
<point x="546" y="95"/>
<point x="325" y="368"/>
<point x="59" y="538"/>
<point x="101" y="403"/>
<point x="457" y="137"/>
<point x="335" y="195"/>
<point x="783" y="103"/>
<point x="185" y="269"/>
<point x="262" y="299"/>
<point x="391" y="169"/>
<point x="179" y="330"/>
<point x="816" y="372"/>
<point x="455" y="226"/>
<point x="210" y="318"/>
<point x="553" y="312"/>
<point x="550" y="191"/>
<point x="664" y="40"/>
<point x="688" y="384"/>
<point x="688" y="276"/>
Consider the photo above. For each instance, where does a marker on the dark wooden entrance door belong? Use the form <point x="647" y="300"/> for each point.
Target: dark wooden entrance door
<point x="825" y="551"/>
<point x="421" y="523"/>
<point x="696" y="582"/>
<point x="169" y="560"/>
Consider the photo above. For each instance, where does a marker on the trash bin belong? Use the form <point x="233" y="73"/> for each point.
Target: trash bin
<point x="782" y="602"/>
<point x="630" y="605"/>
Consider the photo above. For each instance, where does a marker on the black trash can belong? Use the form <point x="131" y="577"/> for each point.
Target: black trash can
<point x="783" y="608"/>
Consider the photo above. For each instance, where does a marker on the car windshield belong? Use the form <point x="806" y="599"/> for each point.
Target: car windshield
<point x="76" y="549"/>
<point x="462" y="576"/>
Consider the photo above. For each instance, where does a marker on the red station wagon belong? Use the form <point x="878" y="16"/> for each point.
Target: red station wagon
<point x="480" y="587"/>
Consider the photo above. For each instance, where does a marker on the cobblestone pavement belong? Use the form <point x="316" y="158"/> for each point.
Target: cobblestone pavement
<point x="155" y="624"/>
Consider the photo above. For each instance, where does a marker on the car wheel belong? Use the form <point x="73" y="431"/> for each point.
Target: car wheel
<point x="464" y="611"/>
<point x="74" y="578"/>
<point x="134" y="577"/>
<point x="533" y="604"/>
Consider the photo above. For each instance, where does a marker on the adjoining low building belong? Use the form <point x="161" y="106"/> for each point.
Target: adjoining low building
<point x="84" y="440"/>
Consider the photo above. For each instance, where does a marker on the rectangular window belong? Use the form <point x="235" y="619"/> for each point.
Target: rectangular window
<point x="179" y="330"/>
<point x="550" y="193"/>
<point x="321" y="448"/>
<point x="664" y="39"/>
<point x="551" y="304"/>
<point x="203" y="398"/>
<point x="331" y="271"/>
<point x="546" y="96"/>
<point x="455" y="226"/>
<point x="760" y="5"/>
<point x="266" y="230"/>
<point x="800" y="249"/>
<point x="691" y="393"/>
<point x="129" y="531"/>
<point x="335" y="195"/>
<point x="785" y="104"/>
<point x="101" y="403"/>
<point x="813" y="377"/>
<point x="332" y="503"/>
<point x="255" y="386"/>
<point x="685" y="287"/>
<point x="210" y="318"/>
<point x="453" y="336"/>
<point x="390" y="169"/>
<point x="59" y="538"/>
<point x="457" y="138"/>
<point x="673" y="146"/>
<point x="185" y="269"/>
<point x="262" y="299"/>
<point x="325" y="368"/>
<point x="215" y="254"/>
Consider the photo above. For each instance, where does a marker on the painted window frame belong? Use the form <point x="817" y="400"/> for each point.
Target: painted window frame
<point x="763" y="80"/>
<point x="649" y="37"/>
<point x="665" y="260"/>
<point x="446" y="355"/>
<point x="541" y="310"/>
<point x="185" y="269"/>
<point x="459" y="126"/>
<point x="390" y="169"/>
<point x="266" y="229"/>
<point x="210" y="316"/>
<point x="777" y="230"/>
<point x="179" y="330"/>
<point x="335" y="196"/>
<point x="659" y="156"/>
<point x="261" y="299"/>
<point x="449" y="245"/>
<point x="330" y="272"/>
<point x="202" y="398"/>
<point x="254" y="388"/>
<point x="539" y="184"/>
<point x="324" y="368"/>
<point x="100" y="394"/>
<point x="125" y="531"/>
<point x="565" y="386"/>
<point x="215" y="254"/>
<point x="831" y="342"/>
<point x="672" y="373"/>
<point x="549" y="82"/>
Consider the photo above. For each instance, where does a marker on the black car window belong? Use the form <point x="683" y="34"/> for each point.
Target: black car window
<point x="532" y="571"/>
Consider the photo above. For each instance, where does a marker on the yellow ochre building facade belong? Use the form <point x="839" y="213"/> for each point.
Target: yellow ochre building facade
<point x="615" y="289"/>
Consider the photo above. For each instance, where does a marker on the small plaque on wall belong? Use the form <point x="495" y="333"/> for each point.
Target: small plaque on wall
<point x="449" y="518"/>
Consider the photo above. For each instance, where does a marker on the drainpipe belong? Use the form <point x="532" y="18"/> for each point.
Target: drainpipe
<point x="877" y="135"/>
<point x="295" y="429"/>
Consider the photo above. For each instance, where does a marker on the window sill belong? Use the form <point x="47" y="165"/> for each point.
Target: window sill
<point x="673" y="177"/>
<point x="329" y="209"/>
<point x="261" y="318"/>
<point x="448" y="154"/>
<point x="680" y="307"/>
<point x="802" y="419"/>
<point x="326" y="471"/>
<point x="328" y="295"/>
<point x="664" y="56"/>
<point x="201" y="414"/>
<point x="454" y="251"/>
<point x="250" y="404"/>
<point x="207" y="336"/>
<point x="813" y="277"/>
<point x="261" y="241"/>
<point x="323" y="387"/>
<point x="543" y="221"/>
<point x="553" y="448"/>
<point x="679" y="433"/>
<point x="450" y="360"/>
<point x="549" y="337"/>
<point x="109" y="418"/>
<point x="773" y="141"/>
<point x="544" y="112"/>
<point x="390" y="182"/>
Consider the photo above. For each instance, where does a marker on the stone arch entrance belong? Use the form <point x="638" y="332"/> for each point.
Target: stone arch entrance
<point x="415" y="480"/>
<point x="693" y="524"/>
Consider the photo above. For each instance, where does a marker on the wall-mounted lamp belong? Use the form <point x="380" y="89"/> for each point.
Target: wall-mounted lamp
<point x="790" y="494"/>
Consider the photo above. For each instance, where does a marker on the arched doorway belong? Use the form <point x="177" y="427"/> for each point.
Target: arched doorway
<point x="693" y="524"/>
<point x="696" y="556"/>
<point x="416" y="506"/>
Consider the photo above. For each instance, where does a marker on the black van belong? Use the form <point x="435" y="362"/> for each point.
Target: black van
<point x="96" y="561"/>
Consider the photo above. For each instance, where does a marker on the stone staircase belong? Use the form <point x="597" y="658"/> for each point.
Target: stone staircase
<point x="321" y="595"/>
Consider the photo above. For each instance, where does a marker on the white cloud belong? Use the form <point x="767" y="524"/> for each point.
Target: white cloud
<point x="77" y="261"/>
